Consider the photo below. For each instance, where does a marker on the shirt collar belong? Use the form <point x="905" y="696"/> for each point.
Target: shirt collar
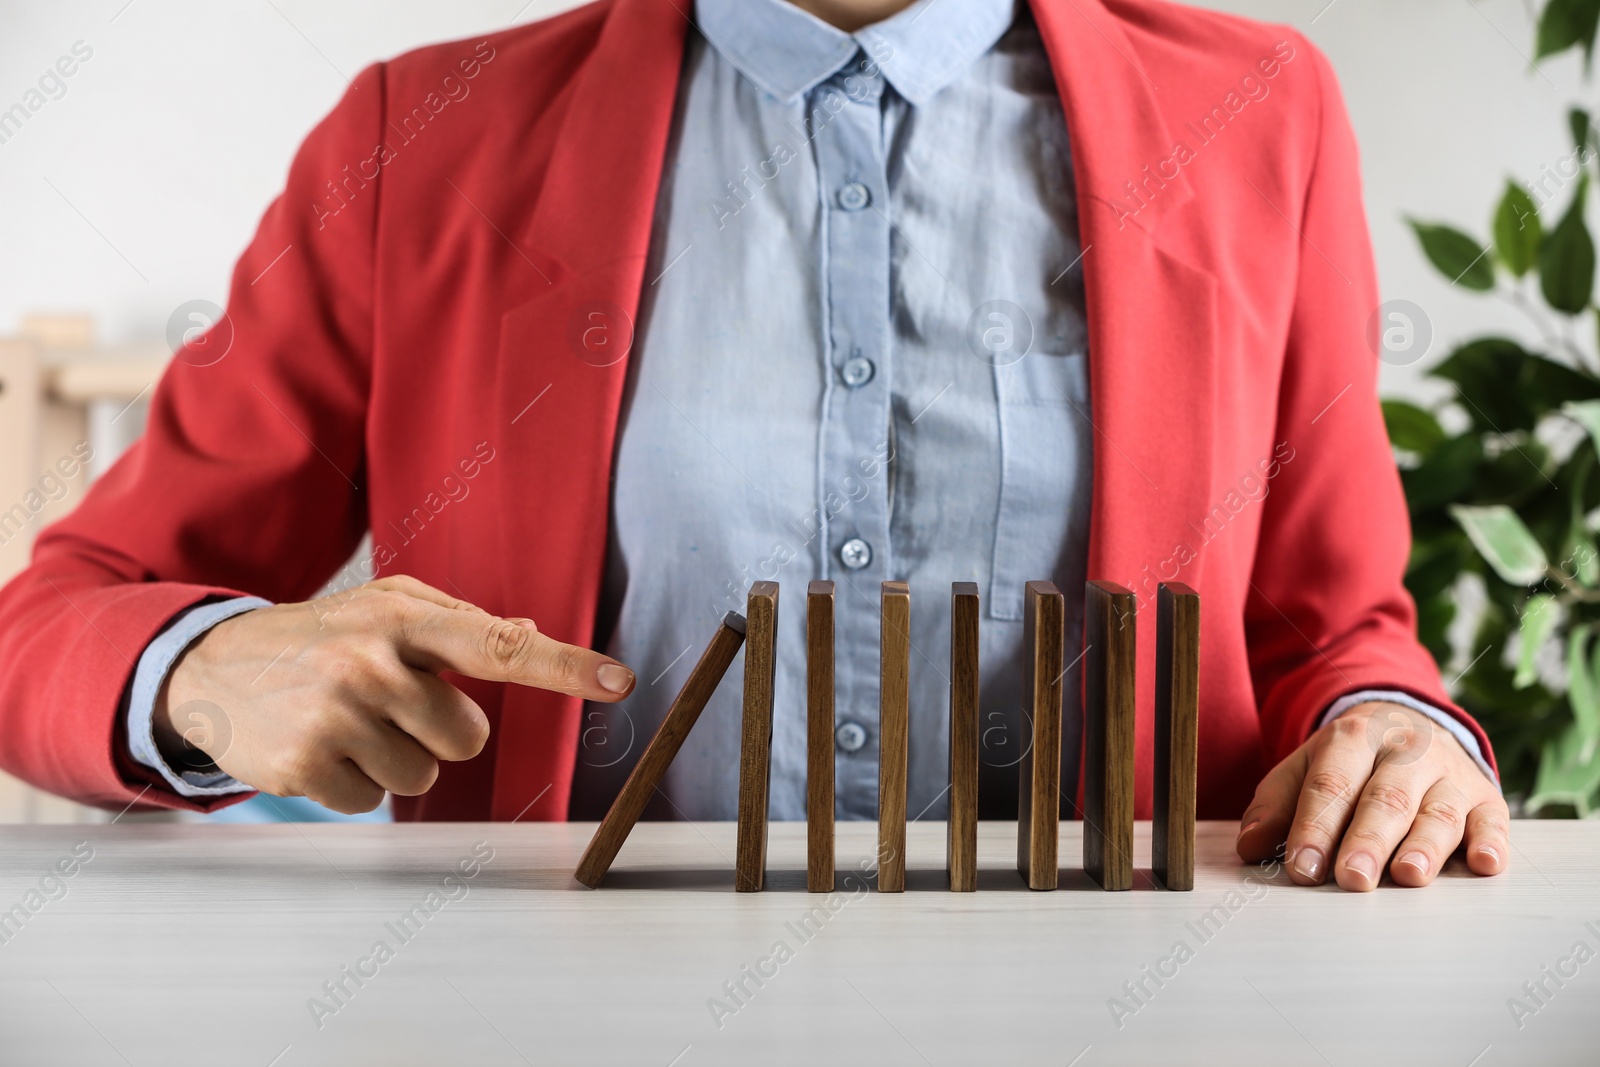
<point x="787" y="52"/>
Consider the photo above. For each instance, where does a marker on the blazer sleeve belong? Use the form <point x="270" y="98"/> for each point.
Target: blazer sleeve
<point x="1328" y="613"/>
<point x="248" y="479"/>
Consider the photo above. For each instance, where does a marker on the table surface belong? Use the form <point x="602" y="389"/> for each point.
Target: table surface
<point x="179" y="944"/>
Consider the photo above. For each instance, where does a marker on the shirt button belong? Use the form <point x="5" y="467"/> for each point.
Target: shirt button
<point x="855" y="553"/>
<point x="850" y="736"/>
<point x="857" y="371"/>
<point x="853" y="196"/>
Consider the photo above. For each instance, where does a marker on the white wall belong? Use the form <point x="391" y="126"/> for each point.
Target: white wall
<point x="173" y="137"/>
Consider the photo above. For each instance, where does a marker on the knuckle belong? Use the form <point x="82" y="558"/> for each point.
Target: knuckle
<point x="1496" y="824"/>
<point x="565" y="665"/>
<point x="357" y="800"/>
<point x="416" y="779"/>
<point x="389" y="607"/>
<point x="326" y="722"/>
<point x="360" y="663"/>
<point x="1349" y="727"/>
<point x="1328" y="783"/>
<point x="1371" y="836"/>
<point x="1445" y="812"/>
<point x="466" y="742"/>
<point x="505" y="644"/>
<point x="347" y="669"/>
<point x="293" y="771"/>
<point x="1389" y="798"/>
<point x="367" y="647"/>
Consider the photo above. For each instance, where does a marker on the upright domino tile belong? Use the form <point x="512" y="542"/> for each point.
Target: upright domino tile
<point x="1039" y="773"/>
<point x="1177" y="731"/>
<point x="652" y="766"/>
<point x="755" y="746"/>
<point x="894" y="722"/>
<point x="961" y="840"/>
<point x="819" y="737"/>
<point x="1109" y="637"/>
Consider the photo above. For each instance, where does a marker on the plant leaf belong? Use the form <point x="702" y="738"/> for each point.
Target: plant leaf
<point x="1503" y="541"/>
<point x="1412" y="428"/>
<point x="1433" y="627"/>
<point x="1564" y="23"/>
<point x="1585" y="413"/>
<point x="1455" y="255"/>
<point x="1520" y="721"/>
<point x="1569" y="773"/>
<point x="1539" y="618"/>
<point x="1435" y="564"/>
<point x="1578" y="123"/>
<point x="1581" y="555"/>
<point x="1516" y="477"/>
<point x="1550" y="384"/>
<point x="1583" y="684"/>
<point x="1566" y="257"/>
<point x="1485" y="372"/>
<point x="1446" y="475"/>
<point x="1504" y="387"/>
<point x="1517" y="229"/>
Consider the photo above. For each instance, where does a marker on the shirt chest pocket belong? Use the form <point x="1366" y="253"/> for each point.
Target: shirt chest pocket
<point x="1046" y="441"/>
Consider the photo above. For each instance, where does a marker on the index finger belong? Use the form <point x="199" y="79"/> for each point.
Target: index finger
<point x="510" y="650"/>
<point x="1265" y="824"/>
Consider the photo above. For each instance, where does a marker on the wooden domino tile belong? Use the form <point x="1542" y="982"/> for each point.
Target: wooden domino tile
<point x="893" y="729"/>
<point x="755" y="745"/>
<point x="961" y="840"/>
<point x="652" y="766"/>
<point x="1039" y="773"/>
<point x="1177" y="730"/>
<point x="819" y="737"/>
<point x="1109" y="637"/>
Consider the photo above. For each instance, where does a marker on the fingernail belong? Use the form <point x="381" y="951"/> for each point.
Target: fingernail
<point x="526" y="624"/>
<point x="1307" y="862"/>
<point x="1490" y="852"/>
<point x="1247" y="827"/>
<point x="615" y="677"/>
<point x="1415" y="859"/>
<point x="1362" y="864"/>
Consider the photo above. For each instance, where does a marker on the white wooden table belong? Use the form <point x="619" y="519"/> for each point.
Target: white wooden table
<point x="180" y="944"/>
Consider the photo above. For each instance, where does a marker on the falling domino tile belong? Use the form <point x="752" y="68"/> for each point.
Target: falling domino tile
<point x="652" y="766"/>
<point x="755" y="746"/>
<point x="1108" y="735"/>
<point x="961" y="840"/>
<point x="1039" y="773"/>
<point x="1177" y="728"/>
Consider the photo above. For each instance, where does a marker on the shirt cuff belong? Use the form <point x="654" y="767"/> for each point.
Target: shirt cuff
<point x="154" y="666"/>
<point x="1438" y="715"/>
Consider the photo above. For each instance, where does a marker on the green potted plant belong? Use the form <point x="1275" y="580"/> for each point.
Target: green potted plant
<point x="1512" y="500"/>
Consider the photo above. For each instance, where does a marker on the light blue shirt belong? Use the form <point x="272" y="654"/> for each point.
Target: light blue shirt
<point x="811" y="396"/>
<point x="861" y="356"/>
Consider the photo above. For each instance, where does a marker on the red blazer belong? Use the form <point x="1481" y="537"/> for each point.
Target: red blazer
<point x="411" y="309"/>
